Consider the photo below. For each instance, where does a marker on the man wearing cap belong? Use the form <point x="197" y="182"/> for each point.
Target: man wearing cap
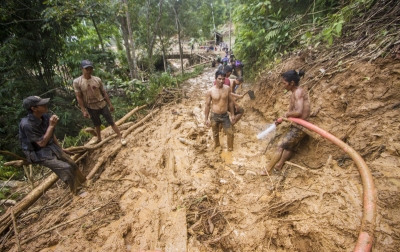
<point x="38" y="142"/>
<point x="93" y="99"/>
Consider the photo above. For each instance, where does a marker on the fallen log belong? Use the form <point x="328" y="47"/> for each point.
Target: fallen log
<point x="129" y="130"/>
<point x="80" y="149"/>
<point x="101" y="161"/>
<point x="27" y="201"/>
<point x="12" y="154"/>
<point x="203" y="63"/>
<point x="17" y="163"/>
<point x="123" y="119"/>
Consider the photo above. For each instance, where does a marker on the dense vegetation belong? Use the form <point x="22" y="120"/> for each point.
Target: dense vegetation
<point x="43" y="43"/>
<point x="266" y="30"/>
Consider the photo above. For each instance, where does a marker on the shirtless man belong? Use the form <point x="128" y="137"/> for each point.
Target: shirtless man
<point x="238" y="111"/>
<point x="220" y="96"/>
<point x="236" y="84"/>
<point x="299" y="108"/>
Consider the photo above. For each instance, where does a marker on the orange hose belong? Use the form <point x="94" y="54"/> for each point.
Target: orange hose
<point x="365" y="237"/>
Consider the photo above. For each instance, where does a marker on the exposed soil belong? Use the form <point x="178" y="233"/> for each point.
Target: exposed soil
<point x="160" y="193"/>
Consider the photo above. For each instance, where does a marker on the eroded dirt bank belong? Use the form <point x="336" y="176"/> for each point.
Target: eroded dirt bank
<point x="160" y="193"/>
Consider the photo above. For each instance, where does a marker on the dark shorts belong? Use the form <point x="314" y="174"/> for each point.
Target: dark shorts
<point x="221" y="118"/>
<point x="95" y="115"/>
<point x="65" y="168"/>
<point x="292" y="139"/>
<point x="239" y="111"/>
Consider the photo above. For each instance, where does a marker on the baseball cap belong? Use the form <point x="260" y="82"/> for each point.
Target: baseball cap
<point x="86" y="63"/>
<point x="33" y="101"/>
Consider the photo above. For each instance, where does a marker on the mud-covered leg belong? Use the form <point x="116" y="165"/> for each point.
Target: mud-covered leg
<point x="286" y="155"/>
<point x="79" y="178"/>
<point x="215" y="130"/>
<point x="230" y="137"/>
<point x="275" y="158"/>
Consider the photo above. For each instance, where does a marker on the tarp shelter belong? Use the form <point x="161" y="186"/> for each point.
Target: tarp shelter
<point x="218" y="37"/>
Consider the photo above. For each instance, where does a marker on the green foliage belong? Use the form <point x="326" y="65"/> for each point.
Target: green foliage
<point x="79" y="140"/>
<point x="139" y="93"/>
<point x="7" y="172"/>
<point x="6" y="193"/>
<point x="263" y="30"/>
<point x="268" y="29"/>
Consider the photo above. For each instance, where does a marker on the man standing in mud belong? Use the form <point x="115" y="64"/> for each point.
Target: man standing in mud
<point x="238" y="111"/>
<point x="38" y="142"/>
<point x="93" y="100"/>
<point x="299" y="107"/>
<point x="219" y="100"/>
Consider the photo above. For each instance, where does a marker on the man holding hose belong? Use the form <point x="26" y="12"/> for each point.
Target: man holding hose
<point x="299" y="107"/>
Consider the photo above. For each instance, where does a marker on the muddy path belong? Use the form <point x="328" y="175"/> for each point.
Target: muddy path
<point x="168" y="190"/>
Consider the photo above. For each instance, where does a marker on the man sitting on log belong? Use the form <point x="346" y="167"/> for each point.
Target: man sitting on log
<point x="38" y="142"/>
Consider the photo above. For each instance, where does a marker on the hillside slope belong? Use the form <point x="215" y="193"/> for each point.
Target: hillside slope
<point x="160" y="193"/>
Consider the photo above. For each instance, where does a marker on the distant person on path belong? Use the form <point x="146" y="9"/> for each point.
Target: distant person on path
<point x="38" y="142"/>
<point x="299" y="107"/>
<point x="219" y="58"/>
<point x="238" y="68"/>
<point x="225" y="60"/>
<point x="93" y="99"/>
<point x="220" y="67"/>
<point x="219" y="100"/>
<point x="232" y="59"/>
<point x="213" y="63"/>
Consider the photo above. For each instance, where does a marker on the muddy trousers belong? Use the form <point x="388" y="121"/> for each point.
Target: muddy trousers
<point x="67" y="170"/>
<point x="216" y="120"/>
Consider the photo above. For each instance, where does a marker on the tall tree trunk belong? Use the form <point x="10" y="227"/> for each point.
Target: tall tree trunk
<point x="108" y="67"/>
<point x="128" y="22"/>
<point x="125" y="34"/>
<point x="163" y="52"/>
<point x="179" y="38"/>
<point x="98" y="34"/>
<point x="152" y="35"/>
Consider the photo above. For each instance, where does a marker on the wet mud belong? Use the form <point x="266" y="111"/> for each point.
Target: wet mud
<point x="168" y="190"/>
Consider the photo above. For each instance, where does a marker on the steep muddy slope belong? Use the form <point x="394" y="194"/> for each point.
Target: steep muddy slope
<point x="168" y="190"/>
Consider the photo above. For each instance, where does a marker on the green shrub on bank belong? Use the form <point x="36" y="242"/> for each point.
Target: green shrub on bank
<point x="9" y="171"/>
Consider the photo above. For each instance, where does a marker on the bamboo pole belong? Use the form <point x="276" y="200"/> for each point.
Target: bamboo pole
<point x="129" y="130"/>
<point x="16" y="230"/>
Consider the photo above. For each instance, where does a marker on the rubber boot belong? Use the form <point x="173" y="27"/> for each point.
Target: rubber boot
<point x="78" y="175"/>
<point x="230" y="142"/>
<point x="73" y="186"/>
<point x="216" y="142"/>
<point x="215" y="130"/>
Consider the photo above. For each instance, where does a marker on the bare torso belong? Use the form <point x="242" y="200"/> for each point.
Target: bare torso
<point x="219" y="98"/>
<point x="299" y="102"/>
